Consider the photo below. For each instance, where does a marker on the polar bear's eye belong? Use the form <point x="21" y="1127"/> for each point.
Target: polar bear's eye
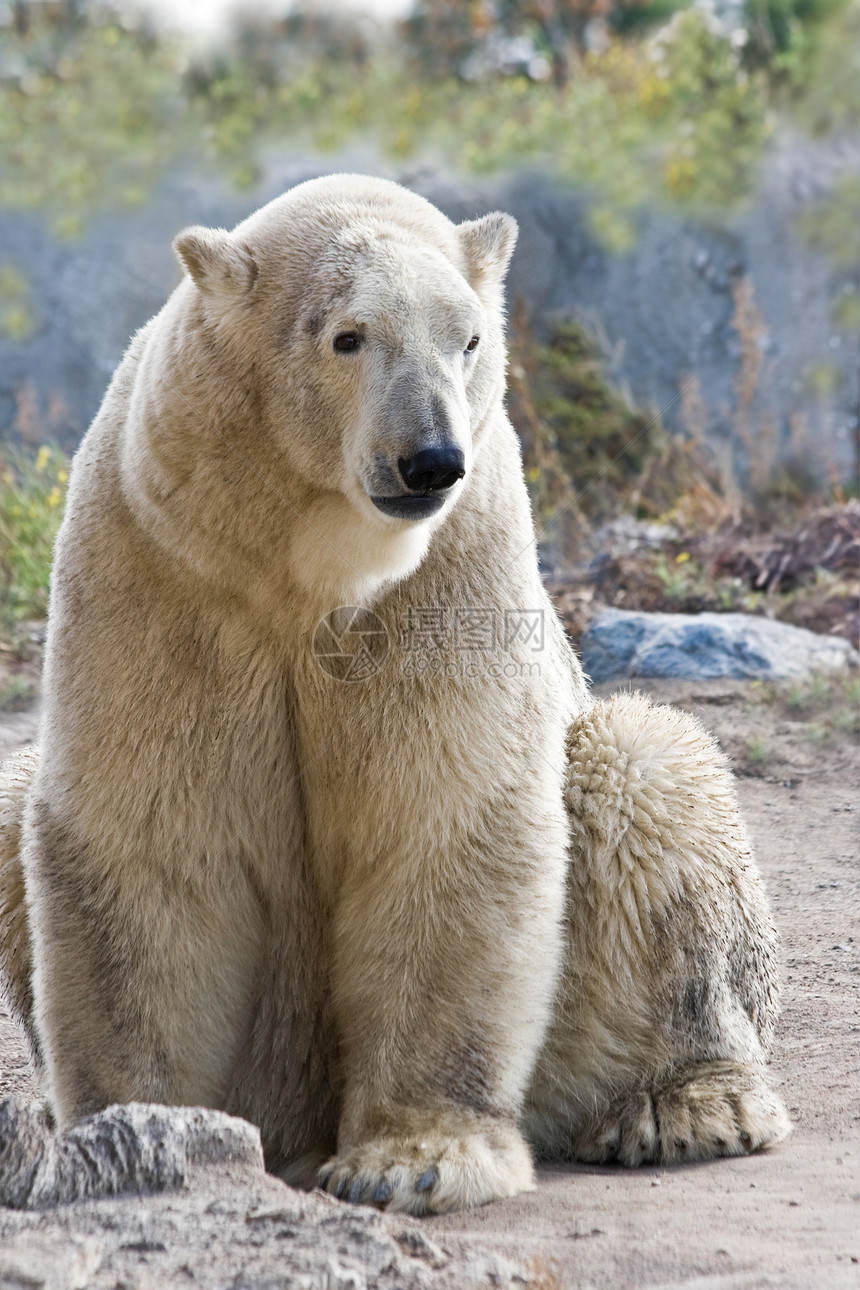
<point x="472" y="345"/>
<point x="346" y="341"/>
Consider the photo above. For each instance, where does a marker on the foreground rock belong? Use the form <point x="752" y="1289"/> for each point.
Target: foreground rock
<point x="133" y="1148"/>
<point x="707" y="646"/>
<point x="206" y="1214"/>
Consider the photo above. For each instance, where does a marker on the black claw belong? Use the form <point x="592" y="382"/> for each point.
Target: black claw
<point x="355" y="1191"/>
<point x="342" y="1188"/>
<point x="383" y="1193"/>
<point x="428" y="1179"/>
<point x="325" y="1179"/>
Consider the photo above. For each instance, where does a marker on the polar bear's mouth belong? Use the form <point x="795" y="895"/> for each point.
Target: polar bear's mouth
<point x="411" y="506"/>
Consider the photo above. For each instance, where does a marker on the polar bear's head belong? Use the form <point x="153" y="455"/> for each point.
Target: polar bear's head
<point x="375" y="327"/>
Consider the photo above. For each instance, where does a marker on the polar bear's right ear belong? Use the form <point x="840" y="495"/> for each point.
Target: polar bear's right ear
<point x="217" y="263"/>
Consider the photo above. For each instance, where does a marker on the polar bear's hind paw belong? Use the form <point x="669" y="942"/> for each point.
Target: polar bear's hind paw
<point x="716" y="1109"/>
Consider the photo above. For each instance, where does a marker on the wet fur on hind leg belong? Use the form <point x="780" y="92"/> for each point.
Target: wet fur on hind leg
<point x="668" y="998"/>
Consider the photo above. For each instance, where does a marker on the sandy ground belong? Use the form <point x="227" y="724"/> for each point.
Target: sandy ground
<point x="789" y="1218"/>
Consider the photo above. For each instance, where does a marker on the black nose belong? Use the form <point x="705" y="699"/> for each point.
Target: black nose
<point x="432" y="469"/>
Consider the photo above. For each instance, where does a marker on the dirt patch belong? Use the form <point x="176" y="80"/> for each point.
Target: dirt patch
<point x="790" y="1218"/>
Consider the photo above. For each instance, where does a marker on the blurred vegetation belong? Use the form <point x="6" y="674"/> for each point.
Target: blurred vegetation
<point x="94" y="103"/>
<point x="817" y="63"/>
<point x="87" y="108"/>
<point x="587" y="453"/>
<point x="32" y="497"/>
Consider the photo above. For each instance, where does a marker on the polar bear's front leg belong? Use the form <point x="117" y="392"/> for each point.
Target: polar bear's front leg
<point x="444" y="969"/>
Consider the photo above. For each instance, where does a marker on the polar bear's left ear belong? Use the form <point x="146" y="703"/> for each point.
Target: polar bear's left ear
<point x="488" y="244"/>
<point x="217" y="263"/>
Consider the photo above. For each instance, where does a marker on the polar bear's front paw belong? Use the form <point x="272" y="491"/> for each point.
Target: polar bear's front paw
<point x="445" y="1165"/>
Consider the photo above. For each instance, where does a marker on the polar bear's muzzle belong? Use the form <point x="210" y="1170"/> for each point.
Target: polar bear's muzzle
<point x="429" y="476"/>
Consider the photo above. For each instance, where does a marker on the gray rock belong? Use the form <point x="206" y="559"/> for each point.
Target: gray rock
<point x="134" y="1148"/>
<point x="244" y="1229"/>
<point x="707" y="646"/>
<point x="227" y="1223"/>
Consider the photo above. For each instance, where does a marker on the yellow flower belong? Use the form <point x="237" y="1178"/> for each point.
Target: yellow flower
<point x="43" y="458"/>
<point x="16" y="511"/>
<point x="682" y="558"/>
<point x="533" y="475"/>
<point x="62" y="477"/>
<point x="54" y="498"/>
<point x="32" y="512"/>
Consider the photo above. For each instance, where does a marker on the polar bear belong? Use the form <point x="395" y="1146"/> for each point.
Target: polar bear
<point x="325" y="830"/>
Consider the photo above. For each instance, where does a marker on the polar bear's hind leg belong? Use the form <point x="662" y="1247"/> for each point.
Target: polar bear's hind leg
<point x="668" y="998"/>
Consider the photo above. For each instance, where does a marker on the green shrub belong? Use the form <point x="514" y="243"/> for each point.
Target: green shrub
<point x="32" y="496"/>
<point x="602" y="442"/>
<point x="587" y="453"/>
<point x="718" y="107"/>
<point x="785" y="36"/>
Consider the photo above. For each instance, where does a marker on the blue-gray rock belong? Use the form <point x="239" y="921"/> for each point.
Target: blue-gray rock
<point x="707" y="646"/>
